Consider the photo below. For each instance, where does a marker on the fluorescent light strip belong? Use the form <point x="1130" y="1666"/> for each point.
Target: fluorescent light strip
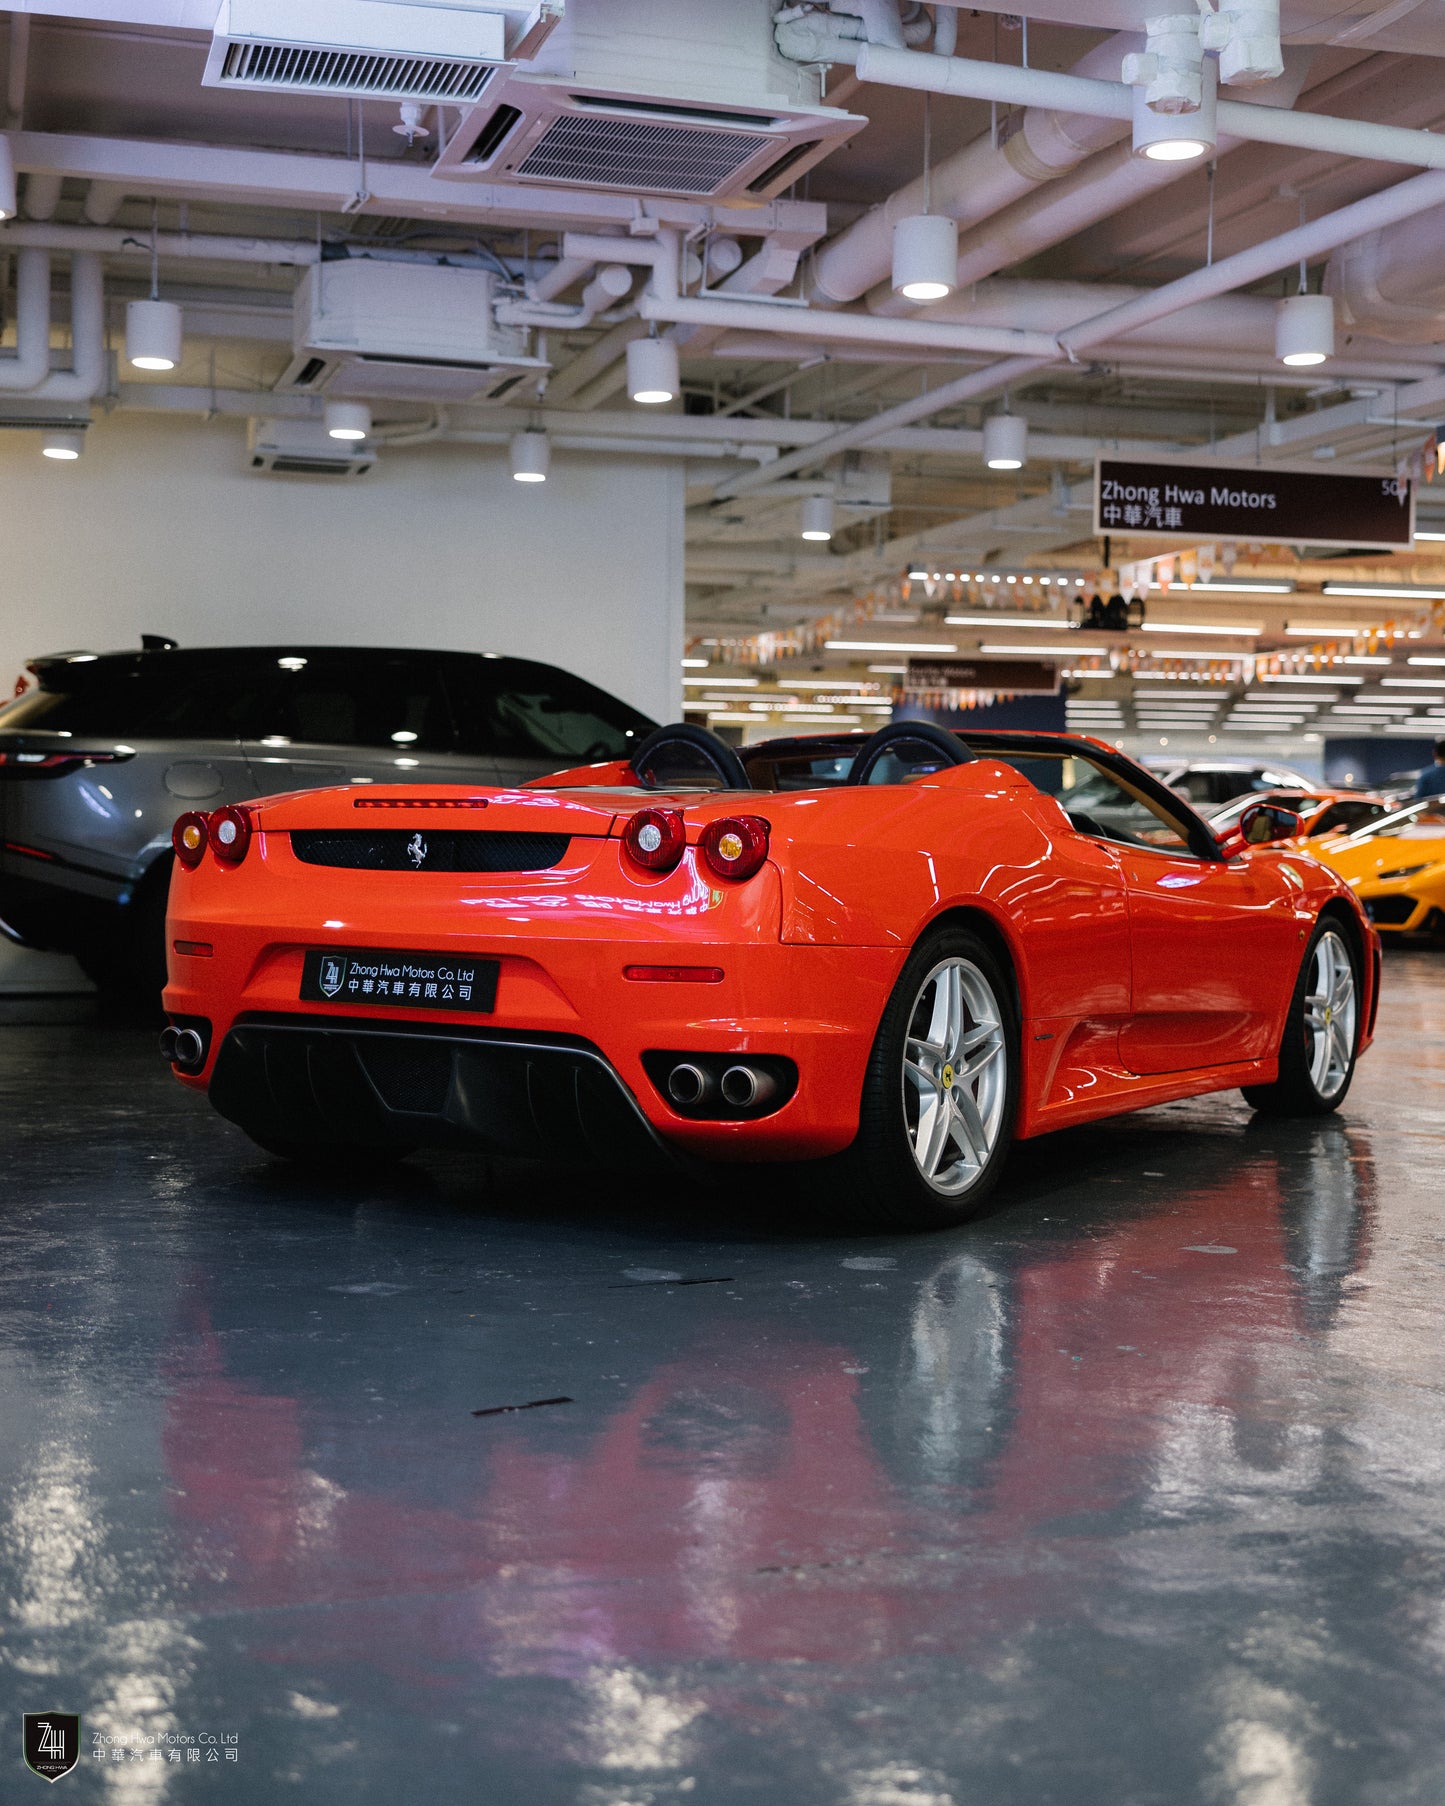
<point x="1267" y="677"/>
<point x="696" y="664"/>
<point x="1376" y="589"/>
<point x="888" y="646"/>
<point x="724" y="683"/>
<point x="1422" y="535"/>
<point x="1411" y="683"/>
<point x="1052" y="626"/>
<point x="1237" y="589"/>
<point x="1328" y="630"/>
<point x="1421" y="659"/>
<point x="1247" y="631"/>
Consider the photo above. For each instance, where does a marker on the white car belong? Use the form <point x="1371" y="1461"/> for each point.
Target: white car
<point x="1209" y="782"/>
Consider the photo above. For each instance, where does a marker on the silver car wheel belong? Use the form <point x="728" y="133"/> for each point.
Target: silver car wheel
<point x="1331" y="1015"/>
<point x="955" y="1076"/>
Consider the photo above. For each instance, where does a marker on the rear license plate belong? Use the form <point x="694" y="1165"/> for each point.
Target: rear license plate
<point x="401" y="981"/>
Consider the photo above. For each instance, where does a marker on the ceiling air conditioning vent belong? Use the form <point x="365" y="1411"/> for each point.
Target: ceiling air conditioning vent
<point x="302" y="448"/>
<point x="639" y="153"/>
<point x="365" y="49"/>
<point x="689" y="98"/>
<point x="377" y="329"/>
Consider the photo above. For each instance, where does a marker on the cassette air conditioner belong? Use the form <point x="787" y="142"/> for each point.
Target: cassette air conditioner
<point x="302" y="448"/>
<point x="687" y="99"/>
<point x="368" y="329"/>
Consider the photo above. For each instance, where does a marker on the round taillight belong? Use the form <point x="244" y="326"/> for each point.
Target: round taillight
<point x="188" y="837"/>
<point x="735" y="846"/>
<point x="656" y="838"/>
<point x="230" y="834"/>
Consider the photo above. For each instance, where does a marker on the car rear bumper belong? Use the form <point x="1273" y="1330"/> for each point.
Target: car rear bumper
<point x="564" y="944"/>
<point x="361" y="1085"/>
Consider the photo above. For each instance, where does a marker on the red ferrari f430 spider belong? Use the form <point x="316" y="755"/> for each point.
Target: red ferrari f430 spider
<point x="893" y="954"/>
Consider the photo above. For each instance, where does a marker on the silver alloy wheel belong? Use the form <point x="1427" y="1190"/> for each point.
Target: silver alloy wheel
<point x="955" y="1076"/>
<point x="1331" y="1013"/>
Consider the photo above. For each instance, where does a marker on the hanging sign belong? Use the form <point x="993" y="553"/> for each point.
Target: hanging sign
<point x="1176" y="499"/>
<point x="1019" y="676"/>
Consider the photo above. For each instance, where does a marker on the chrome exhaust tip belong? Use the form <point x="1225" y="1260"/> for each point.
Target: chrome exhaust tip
<point x="188" y="1047"/>
<point x="168" y="1044"/>
<point x="744" y="1086"/>
<point x="688" y="1085"/>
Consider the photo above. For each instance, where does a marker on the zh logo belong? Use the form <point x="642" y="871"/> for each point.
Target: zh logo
<point x="333" y="975"/>
<point x="416" y="850"/>
<point x="52" y="1743"/>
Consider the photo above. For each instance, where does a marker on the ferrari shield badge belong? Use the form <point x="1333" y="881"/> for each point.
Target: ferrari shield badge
<point x="52" y="1743"/>
<point x="333" y="975"/>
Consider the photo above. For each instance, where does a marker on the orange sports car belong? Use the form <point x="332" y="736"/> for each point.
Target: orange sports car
<point x="895" y="954"/>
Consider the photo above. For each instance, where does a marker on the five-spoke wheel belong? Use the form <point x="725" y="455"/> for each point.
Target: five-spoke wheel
<point x="1322" y="1029"/>
<point x="954" y="1075"/>
<point x="939" y="1096"/>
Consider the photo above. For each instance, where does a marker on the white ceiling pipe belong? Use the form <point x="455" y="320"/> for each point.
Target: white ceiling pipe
<point x="115" y="241"/>
<point x="1414" y="196"/>
<point x="827" y="327"/>
<point x="1392" y="282"/>
<point x="973" y="184"/>
<point x="1107" y="184"/>
<point x="88" y="374"/>
<point x="606" y="288"/>
<point x="311" y="182"/>
<point x="562" y="275"/>
<point x="103" y="200"/>
<point x="1114" y="100"/>
<point x="1406" y="200"/>
<point x="30" y="364"/>
<point x="42" y="195"/>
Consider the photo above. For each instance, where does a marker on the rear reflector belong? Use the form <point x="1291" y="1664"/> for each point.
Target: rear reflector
<point x="674" y="975"/>
<point x="15" y="846"/>
<point x="196" y="949"/>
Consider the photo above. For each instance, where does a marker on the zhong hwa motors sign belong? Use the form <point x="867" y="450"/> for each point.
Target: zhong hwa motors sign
<point x="1271" y="506"/>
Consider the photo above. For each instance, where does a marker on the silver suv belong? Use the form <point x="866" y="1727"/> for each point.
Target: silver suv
<point x="99" y="754"/>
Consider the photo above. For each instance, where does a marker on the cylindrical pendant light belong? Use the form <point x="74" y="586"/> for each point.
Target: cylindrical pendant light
<point x="925" y="256"/>
<point x="348" y="420"/>
<point x="818" y="517"/>
<point x="153" y="334"/>
<point x="1304" y="330"/>
<point x="531" y="457"/>
<point x="653" y="373"/>
<point x="1005" y="442"/>
<point x="64" y="447"/>
<point x="1177" y="137"/>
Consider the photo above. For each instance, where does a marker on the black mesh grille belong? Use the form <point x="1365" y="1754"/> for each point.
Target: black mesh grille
<point x="1394" y="912"/>
<point x="428" y="850"/>
<point x="410" y="1075"/>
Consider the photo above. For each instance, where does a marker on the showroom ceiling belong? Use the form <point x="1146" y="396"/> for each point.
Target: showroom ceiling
<point x="465" y="224"/>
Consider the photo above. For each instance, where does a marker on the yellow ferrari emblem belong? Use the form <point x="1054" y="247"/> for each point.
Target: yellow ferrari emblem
<point x="947" y="1077"/>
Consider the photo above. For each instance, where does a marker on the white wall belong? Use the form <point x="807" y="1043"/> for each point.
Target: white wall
<point x="162" y="528"/>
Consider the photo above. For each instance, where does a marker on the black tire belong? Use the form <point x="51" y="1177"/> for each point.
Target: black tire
<point x="1314" y="1078"/>
<point x="880" y="1179"/>
<point x="345" y="1160"/>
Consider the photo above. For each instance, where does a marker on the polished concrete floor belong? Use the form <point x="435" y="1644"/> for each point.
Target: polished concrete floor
<point x="1131" y="1494"/>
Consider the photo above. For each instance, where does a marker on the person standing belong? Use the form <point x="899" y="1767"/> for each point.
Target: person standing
<point x="1431" y="781"/>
